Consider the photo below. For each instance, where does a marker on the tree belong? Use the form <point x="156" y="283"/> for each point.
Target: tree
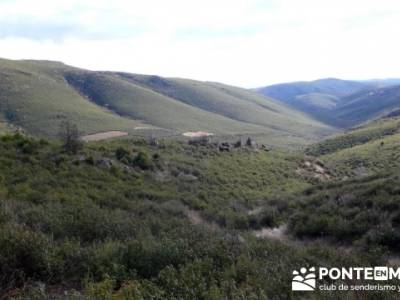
<point x="69" y="134"/>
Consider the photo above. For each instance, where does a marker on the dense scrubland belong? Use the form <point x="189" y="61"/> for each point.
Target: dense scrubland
<point x="163" y="219"/>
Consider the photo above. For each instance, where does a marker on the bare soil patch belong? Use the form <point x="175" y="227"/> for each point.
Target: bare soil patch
<point x="197" y="133"/>
<point x="313" y="169"/>
<point x="103" y="135"/>
<point x="196" y="219"/>
<point x="277" y="233"/>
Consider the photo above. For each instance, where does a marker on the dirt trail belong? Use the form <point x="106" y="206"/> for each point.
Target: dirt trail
<point x="103" y="135"/>
<point x="277" y="233"/>
<point x="269" y="233"/>
<point x="196" y="219"/>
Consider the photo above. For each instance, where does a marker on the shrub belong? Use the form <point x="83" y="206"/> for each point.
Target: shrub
<point x="24" y="254"/>
<point x="69" y="135"/>
<point x="121" y="153"/>
<point x="142" y="161"/>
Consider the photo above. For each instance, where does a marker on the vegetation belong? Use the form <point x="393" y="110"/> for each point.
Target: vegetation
<point x="127" y="220"/>
<point x="39" y="95"/>
<point x="368" y="105"/>
<point x="69" y="135"/>
<point x="360" y="209"/>
<point x="354" y="137"/>
<point x="328" y="86"/>
<point x="362" y="213"/>
<point x="340" y="103"/>
<point x="317" y="98"/>
<point x="162" y="218"/>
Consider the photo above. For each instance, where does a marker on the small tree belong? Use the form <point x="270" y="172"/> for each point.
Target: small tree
<point x="69" y="135"/>
<point x="249" y="142"/>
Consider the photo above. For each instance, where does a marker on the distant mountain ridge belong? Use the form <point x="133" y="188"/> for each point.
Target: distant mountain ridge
<point x="368" y="105"/>
<point x="340" y="103"/>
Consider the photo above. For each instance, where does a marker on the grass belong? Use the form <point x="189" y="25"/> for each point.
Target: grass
<point x="38" y="95"/>
<point x="231" y="102"/>
<point x="381" y="155"/>
<point x="357" y="136"/>
<point x="366" y="150"/>
<point x="38" y="102"/>
<point x="140" y="103"/>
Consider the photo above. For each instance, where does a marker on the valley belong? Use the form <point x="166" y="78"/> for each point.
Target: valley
<point x="340" y="103"/>
<point x="179" y="189"/>
<point x="187" y="213"/>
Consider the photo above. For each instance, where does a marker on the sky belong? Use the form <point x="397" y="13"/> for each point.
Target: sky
<point x="248" y="43"/>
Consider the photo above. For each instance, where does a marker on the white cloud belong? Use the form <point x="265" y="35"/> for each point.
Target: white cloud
<point x="242" y="42"/>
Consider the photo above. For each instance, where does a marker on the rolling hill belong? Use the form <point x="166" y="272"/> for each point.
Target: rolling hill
<point x="38" y="95"/>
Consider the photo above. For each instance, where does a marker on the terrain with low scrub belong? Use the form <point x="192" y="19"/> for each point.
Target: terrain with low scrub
<point x="162" y="219"/>
<point x="360" y="208"/>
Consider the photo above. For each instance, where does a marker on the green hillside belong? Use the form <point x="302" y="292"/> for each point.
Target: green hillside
<point x="135" y="102"/>
<point x="38" y="95"/>
<point x="360" y="208"/>
<point x="366" y="151"/>
<point x="357" y="136"/>
<point x="231" y="102"/>
<point x="370" y="149"/>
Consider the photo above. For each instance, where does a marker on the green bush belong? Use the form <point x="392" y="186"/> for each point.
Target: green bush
<point x="24" y="254"/>
<point x="142" y="161"/>
<point x="121" y="153"/>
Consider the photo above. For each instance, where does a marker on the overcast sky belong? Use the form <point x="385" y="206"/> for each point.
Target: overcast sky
<point x="247" y="43"/>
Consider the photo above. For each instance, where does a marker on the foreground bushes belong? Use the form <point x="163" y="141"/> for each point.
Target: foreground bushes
<point x="112" y="222"/>
<point x="364" y="212"/>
